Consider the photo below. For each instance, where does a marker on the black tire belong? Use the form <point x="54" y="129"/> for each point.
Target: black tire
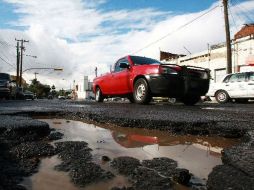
<point x="141" y="93"/>
<point x="242" y="100"/>
<point x="131" y="99"/>
<point x="222" y="97"/>
<point x="191" y="100"/>
<point x="98" y="95"/>
<point x="8" y="97"/>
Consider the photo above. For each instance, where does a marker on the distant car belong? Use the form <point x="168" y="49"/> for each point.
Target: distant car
<point x="24" y="94"/>
<point x="6" y="86"/>
<point x="141" y="78"/>
<point x="50" y="97"/>
<point x="29" y="95"/>
<point x="60" y="97"/>
<point x="238" y="86"/>
<point x="68" y="96"/>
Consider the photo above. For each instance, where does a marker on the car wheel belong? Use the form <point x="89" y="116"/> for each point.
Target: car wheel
<point x="222" y="97"/>
<point x="98" y="95"/>
<point x="191" y="100"/>
<point x="141" y="92"/>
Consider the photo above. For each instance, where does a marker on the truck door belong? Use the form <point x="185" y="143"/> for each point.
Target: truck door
<point x="121" y="78"/>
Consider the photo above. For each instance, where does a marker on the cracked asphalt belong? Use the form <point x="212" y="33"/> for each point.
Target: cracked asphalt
<point x="228" y="120"/>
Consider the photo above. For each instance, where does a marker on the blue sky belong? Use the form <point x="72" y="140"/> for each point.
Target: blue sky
<point x="8" y="13"/>
<point x="164" y="5"/>
<point x="81" y="35"/>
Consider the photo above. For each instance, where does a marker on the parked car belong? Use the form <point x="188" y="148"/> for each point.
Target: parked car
<point x="29" y="95"/>
<point x="50" y="96"/>
<point x="6" y="86"/>
<point x="238" y="86"/>
<point x="24" y="94"/>
<point x="60" y="97"/>
<point x="140" y="78"/>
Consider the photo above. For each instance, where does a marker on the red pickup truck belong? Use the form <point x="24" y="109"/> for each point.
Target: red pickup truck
<point x="141" y="78"/>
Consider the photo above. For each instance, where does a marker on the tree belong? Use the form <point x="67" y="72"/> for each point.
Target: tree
<point x="41" y="90"/>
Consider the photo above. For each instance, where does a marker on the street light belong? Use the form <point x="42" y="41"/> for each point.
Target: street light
<point x="43" y="68"/>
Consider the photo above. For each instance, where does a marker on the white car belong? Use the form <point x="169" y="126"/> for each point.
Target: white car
<point x="238" y="86"/>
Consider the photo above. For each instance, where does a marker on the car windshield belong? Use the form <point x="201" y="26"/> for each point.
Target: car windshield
<point x="4" y="76"/>
<point x="143" y="60"/>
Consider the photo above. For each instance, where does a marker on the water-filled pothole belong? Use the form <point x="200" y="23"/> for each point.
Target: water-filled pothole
<point x="198" y="154"/>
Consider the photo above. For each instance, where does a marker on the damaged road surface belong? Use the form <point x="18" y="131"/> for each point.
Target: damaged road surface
<point x="126" y="153"/>
<point x="158" y="146"/>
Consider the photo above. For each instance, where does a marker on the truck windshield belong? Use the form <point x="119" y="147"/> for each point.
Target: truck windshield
<point x="4" y="76"/>
<point x="143" y="60"/>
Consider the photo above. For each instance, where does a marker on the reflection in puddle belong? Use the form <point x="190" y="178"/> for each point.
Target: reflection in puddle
<point x="197" y="154"/>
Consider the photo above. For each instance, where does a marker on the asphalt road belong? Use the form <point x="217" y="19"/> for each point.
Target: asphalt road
<point x="228" y="120"/>
<point x="157" y="110"/>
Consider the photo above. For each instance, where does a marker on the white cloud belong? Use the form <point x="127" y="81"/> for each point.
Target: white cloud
<point x="78" y="36"/>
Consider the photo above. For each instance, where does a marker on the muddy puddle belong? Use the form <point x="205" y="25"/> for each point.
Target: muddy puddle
<point x="195" y="153"/>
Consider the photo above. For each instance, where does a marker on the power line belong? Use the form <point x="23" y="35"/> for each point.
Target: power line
<point x="244" y="11"/>
<point x="5" y="56"/>
<point x="239" y="17"/>
<point x="6" y="62"/>
<point x="179" y="28"/>
<point x="3" y="42"/>
<point x="233" y="19"/>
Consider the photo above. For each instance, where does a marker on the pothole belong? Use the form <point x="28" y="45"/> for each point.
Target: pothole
<point x="198" y="154"/>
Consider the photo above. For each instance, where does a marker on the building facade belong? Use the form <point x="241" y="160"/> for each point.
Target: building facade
<point x="215" y="57"/>
<point x="84" y="89"/>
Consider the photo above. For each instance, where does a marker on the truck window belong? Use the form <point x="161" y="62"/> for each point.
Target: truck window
<point x="137" y="60"/>
<point x="117" y="65"/>
<point x="4" y="76"/>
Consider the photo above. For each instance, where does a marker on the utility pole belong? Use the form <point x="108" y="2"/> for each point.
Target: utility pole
<point x="18" y="55"/>
<point x="228" y="40"/>
<point x="21" y="59"/>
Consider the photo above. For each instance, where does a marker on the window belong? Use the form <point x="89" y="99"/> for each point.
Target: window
<point x="251" y="77"/>
<point x="117" y="65"/>
<point x="143" y="60"/>
<point x="4" y="76"/>
<point x="227" y="78"/>
<point x="239" y="77"/>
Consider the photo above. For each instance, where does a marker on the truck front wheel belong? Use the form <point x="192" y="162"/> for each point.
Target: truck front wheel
<point x="141" y="92"/>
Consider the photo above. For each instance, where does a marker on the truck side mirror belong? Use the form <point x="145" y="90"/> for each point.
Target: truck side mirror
<point x="124" y="66"/>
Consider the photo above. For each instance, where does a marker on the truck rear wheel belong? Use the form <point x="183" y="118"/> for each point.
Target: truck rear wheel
<point x="98" y="95"/>
<point x="141" y="92"/>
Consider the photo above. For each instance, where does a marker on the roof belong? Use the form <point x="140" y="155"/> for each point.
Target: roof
<point x="246" y="30"/>
<point x="167" y="55"/>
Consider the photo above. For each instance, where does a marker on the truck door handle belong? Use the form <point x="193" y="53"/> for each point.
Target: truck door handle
<point x="250" y="83"/>
<point x="227" y="85"/>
